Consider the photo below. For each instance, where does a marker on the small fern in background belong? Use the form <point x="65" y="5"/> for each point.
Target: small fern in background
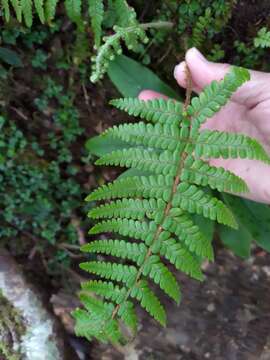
<point x="152" y="213"/>
<point x="262" y="40"/>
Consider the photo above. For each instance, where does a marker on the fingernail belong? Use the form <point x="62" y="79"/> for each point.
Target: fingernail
<point x="194" y="52"/>
<point x="179" y="70"/>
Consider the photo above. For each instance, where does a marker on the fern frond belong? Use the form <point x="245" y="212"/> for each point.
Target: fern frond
<point x="149" y="301"/>
<point x="50" y="9"/>
<point x="137" y="229"/>
<point x="27" y="8"/>
<point x="108" y="290"/>
<point x="153" y="186"/>
<point x="160" y="136"/>
<point x="128" y="208"/>
<point x="119" y="248"/>
<point x="125" y="14"/>
<point x="162" y="276"/>
<point x="157" y="110"/>
<point x="262" y="39"/>
<point x="196" y="201"/>
<point x="190" y="234"/>
<point x="200" y="173"/>
<point x="214" y="96"/>
<point x="164" y="163"/>
<point x="96" y="13"/>
<point x="39" y="6"/>
<point x="131" y="36"/>
<point x="215" y="144"/>
<point x="111" y="271"/>
<point x="73" y="9"/>
<point x="178" y="255"/>
<point x="157" y="209"/>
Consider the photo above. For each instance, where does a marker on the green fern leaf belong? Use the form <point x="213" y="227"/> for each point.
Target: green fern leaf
<point x="105" y="289"/>
<point x="50" y="9"/>
<point x="214" y="96"/>
<point x="154" y="186"/>
<point x="26" y="6"/>
<point x="73" y="9"/>
<point x="200" y="173"/>
<point x="156" y="110"/>
<point x="190" y="234"/>
<point x="164" y="163"/>
<point x="215" y="144"/>
<point x="111" y="271"/>
<point x="39" y="6"/>
<point x="157" y="209"/>
<point x="178" y="255"/>
<point x="127" y="227"/>
<point x="161" y="275"/>
<point x="120" y="248"/>
<point x="6" y="9"/>
<point x="196" y="201"/>
<point x="160" y="136"/>
<point x="96" y="13"/>
<point x="149" y="301"/>
<point x="128" y="208"/>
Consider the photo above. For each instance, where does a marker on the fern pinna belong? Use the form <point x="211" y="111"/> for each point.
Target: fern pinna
<point x="152" y="213"/>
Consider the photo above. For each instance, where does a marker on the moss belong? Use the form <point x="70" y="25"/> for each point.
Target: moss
<point x="11" y="330"/>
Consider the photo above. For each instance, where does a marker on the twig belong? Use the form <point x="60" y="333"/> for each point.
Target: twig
<point x="188" y="88"/>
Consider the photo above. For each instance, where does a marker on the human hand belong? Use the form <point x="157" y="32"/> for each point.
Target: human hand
<point x="248" y="113"/>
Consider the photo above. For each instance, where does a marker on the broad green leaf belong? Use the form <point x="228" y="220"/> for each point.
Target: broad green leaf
<point x="10" y="57"/>
<point x="239" y="241"/>
<point x="130" y="78"/>
<point x="104" y="144"/>
<point x="254" y="217"/>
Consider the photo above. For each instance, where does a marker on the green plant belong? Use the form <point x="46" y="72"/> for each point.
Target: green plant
<point x="262" y="39"/>
<point x="156" y="206"/>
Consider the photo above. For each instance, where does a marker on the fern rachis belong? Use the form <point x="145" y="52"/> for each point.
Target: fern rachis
<point x="156" y="209"/>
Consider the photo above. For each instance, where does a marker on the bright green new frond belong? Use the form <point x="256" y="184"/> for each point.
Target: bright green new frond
<point x="96" y="13"/>
<point x="194" y="200"/>
<point x="128" y="208"/>
<point x="190" y="234"/>
<point x="160" y="136"/>
<point x="179" y="255"/>
<point x="164" y="163"/>
<point x="127" y="227"/>
<point x="200" y="173"/>
<point x="154" y="186"/>
<point x="125" y="14"/>
<point x="162" y="276"/>
<point x="111" y="271"/>
<point x="131" y="36"/>
<point x="215" y="95"/>
<point x="156" y="110"/>
<point x="119" y="248"/>
<point x="149" y="301"/>
<point x="215" y="144"/>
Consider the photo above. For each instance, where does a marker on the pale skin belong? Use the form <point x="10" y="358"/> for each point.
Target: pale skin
<point x="248" y="113"/>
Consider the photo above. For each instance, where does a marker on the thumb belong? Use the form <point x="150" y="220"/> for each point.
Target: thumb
<point x="203" y="72"/>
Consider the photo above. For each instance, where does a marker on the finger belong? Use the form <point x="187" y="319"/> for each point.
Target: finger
<point x="150" y="94"/>
<point x="203" y="72"/>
